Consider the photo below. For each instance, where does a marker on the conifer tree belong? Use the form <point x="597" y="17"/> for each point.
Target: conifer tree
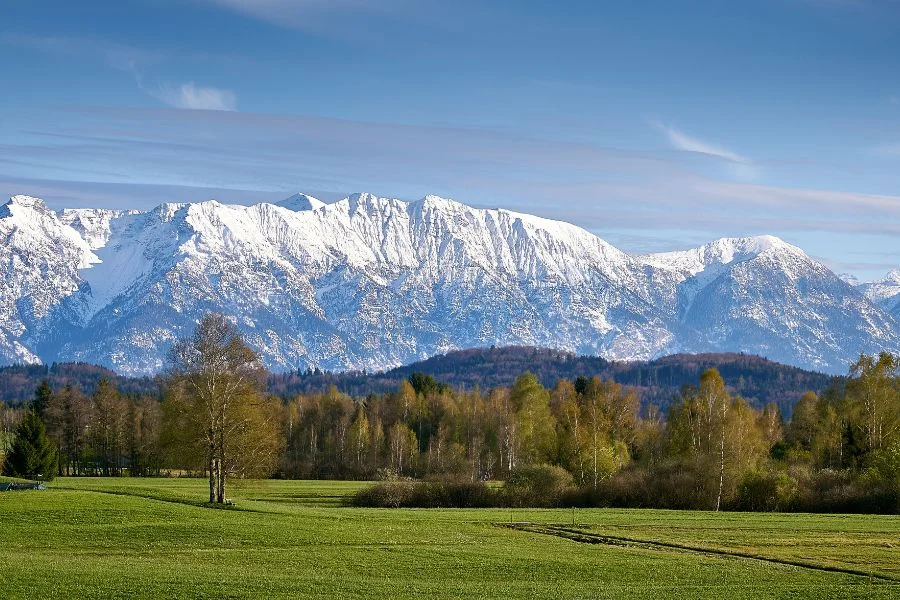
<point x="32" y="454"/>
<point x="42" y="398"/>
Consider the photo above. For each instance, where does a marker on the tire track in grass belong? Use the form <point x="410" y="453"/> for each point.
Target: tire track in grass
<point x="585" y="537"/>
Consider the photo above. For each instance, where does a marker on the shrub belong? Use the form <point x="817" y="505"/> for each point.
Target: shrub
<point x="440" y="493"/>
<point x="766" y="491"/>
<point x="455" y="493"/>
<point x="537" y="486"/>
<point x="388" y="494"/>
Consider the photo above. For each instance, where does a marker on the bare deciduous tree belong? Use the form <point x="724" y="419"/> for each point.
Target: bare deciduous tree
<point x="216" y="406"/>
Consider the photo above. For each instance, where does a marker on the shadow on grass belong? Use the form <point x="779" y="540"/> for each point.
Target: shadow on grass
<point x="148" y="495"/>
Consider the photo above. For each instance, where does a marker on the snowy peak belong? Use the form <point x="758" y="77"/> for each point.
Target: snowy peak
<point x="372" y="205"/>
<point x="727" y="250"/>
<point x="32" y="225"/>
<point x="724" y="251"/>
<point x="885" y="292"/>
<point x="167" y="211"/>
<point x="300" y="202"/>
<point x="29" y="202"/>
<point x="850" y="279"/>
<point x="25" y="208"/>
<point x="432" y="202"/>
<point x="893" y="277"/>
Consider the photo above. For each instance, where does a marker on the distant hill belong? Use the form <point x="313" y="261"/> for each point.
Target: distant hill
<point x="758" y="380"/>
<point x="18" y="382"/>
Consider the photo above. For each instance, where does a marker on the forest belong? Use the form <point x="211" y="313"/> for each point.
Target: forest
<point x="756" y="379"/>
<point x="587" y="441"/>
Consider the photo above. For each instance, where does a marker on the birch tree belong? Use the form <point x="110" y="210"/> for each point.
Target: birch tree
<point x="215" y="400"/>
<point x="874" y="389"/>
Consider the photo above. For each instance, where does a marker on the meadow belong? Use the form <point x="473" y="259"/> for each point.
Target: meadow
<point x="154" y="538"/>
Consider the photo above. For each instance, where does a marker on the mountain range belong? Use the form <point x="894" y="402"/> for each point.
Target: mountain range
<point x="373" y="283"/>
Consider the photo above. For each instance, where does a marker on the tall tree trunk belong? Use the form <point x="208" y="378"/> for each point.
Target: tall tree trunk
<point x="221" y="491"/>
<point x="721" y="468"/>
<point x="212" y="479"/>
<point x="221" y="495"/>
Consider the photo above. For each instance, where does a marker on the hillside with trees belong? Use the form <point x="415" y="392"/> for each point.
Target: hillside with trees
<point x="587" y="441"/>
<point x="18" y="382"/>
<point x="658" y="382"/>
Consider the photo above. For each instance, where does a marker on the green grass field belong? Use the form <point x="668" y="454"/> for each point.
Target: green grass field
<point x="148" y="538"/>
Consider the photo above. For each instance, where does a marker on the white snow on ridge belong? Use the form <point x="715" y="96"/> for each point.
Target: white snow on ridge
<point x="723" y="251"/>
<point x="300" y="202"/>
<point x="94" y="224"/>
<point x="885" y="291"/>
<point x="369" y="282"/>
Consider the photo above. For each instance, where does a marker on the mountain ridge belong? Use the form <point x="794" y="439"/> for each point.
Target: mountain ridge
<point x="369" y="282"/>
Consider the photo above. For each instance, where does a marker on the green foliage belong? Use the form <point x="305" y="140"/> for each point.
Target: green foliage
<point x="534" y="424"/>
<point x="885" y="467"/>
<point x="715" y="449"/>
<point x="32" y="455"/>
<point x="764" y="491"/>
<point x="426" y="384"/>
<point x="873" y="400"/>
<point x="42" y="398"/>
<point x="537" y="486"/>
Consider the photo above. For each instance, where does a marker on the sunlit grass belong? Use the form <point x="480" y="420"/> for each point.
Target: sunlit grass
<point x="146" y="538"/>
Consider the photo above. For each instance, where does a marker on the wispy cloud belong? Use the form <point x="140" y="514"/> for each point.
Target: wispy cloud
<point x="682" y="141"/>
<point x="194" y="97"/>
<point x="891" y="150"/>
<point x="738" y="166"/>
<point x="836" y="2"/>
<point x="590" y="185"/>
<point x="132" y="60"/>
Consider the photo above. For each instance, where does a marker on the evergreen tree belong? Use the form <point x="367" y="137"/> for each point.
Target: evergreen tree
<point x="42" y="397"/>
<point x="32" y="454"/>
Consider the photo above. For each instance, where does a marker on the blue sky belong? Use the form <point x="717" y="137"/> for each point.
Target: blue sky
<point x="657" y="125"/>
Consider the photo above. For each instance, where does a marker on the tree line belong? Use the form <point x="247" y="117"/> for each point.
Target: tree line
<point x="587" y="438"/>
<point x="756" y="379"/>
<point x="658" y="381"/>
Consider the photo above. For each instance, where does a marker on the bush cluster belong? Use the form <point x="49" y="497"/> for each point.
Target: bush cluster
<point x="543" y="486"/>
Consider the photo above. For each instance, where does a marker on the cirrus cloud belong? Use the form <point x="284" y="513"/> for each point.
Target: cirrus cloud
<point x="194" y="97"/>
<point x="738" y="166"/>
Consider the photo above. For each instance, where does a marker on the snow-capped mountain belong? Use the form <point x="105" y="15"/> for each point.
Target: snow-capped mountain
<point x="764" y="296"/>
<point x="885" y="292"/>
<point x="372" y="282"/>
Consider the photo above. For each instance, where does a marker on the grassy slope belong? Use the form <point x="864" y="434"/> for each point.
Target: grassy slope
<point x="292" y="539"/>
